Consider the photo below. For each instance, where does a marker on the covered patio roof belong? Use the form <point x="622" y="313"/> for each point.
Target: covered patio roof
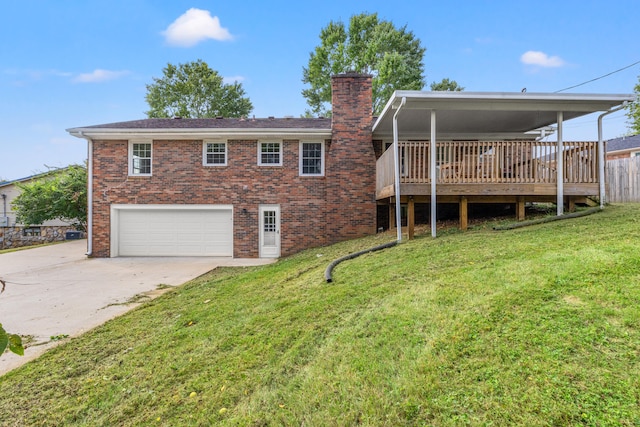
<point x="486" y="115"/>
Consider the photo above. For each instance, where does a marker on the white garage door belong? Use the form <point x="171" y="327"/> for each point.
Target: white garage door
<point x="185" y="231"/>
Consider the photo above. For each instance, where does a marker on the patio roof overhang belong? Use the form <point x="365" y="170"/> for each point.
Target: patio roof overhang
<point x="487" y="115"/>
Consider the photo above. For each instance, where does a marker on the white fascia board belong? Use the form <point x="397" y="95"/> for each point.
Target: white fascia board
<point x="392" y="104"/>
<point x="509" y="101"/>
<point x="514" y="101"/>
<point x="211" y="133"/>
<point x="500" y="101"/>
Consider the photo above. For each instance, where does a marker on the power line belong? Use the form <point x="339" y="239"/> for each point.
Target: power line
<point x="598" y="78"/>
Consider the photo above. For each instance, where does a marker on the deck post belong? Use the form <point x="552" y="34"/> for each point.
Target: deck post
<point x="392" y="216"/>
<point x="463" y="213"/>
<point x="411" y="217"/>
<point x="433" y="175"/>
<point x="560" y="167"/>
<point x="520" y="208"/>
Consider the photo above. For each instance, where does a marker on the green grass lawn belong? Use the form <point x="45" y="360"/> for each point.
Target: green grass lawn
<point x="538" y="326"/>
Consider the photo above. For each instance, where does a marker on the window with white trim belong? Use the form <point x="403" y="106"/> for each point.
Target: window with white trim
<point x="215" y="154"/>
<point x="312" y="158"/>
<point x="269" y="153"/>
<point x="140" y="158"/>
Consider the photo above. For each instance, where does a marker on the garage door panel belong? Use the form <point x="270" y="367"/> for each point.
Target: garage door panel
<point x="175" y="232"/>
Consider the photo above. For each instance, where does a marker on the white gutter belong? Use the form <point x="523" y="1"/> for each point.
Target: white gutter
<point x="89" y="192"/>
<point x="601" y="154"/>
<point x="396" y="160"/>
<point x="560" y="167"/>
<point x="199" y="133"/>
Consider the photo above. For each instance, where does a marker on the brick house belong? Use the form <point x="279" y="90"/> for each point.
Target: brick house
<point x="233" y="187"/>
<point x="272" y="187"/>
<point x="623" y="147"/>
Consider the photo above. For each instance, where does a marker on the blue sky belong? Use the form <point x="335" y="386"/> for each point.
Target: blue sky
<point x="72" y="63"/>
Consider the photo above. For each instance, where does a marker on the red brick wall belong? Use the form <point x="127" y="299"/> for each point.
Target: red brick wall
<point x="614" y="156"/>
<point x="315" y="211"/>
<point x="351" y="160"/>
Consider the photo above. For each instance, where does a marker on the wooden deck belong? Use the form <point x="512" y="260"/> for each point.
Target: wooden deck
<point x="479" y="168"/>
<point x="489" y="172"/>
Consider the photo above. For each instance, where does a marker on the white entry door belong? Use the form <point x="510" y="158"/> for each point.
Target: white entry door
<point x="269" y="231"/>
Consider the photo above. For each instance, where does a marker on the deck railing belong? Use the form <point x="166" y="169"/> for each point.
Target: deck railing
<point x="470" y="162"/>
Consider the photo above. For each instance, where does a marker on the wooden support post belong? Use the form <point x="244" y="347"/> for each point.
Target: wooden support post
<point x="392" y="216"/>
<point x="520" y="211"/>
<point x="464" y="214"/>
<point x="411" y="217"/>
<point x="572" y="204"/>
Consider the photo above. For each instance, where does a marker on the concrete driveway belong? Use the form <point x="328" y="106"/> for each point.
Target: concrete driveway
<point x="56" y="290"/>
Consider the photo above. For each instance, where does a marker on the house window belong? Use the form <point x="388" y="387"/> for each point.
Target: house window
<point x="140" y="158"/>
<point x="270" y="154"/>
<point x="31" y="231"/>
<point x="215" y="153"/>
<point x="312" y="158"/>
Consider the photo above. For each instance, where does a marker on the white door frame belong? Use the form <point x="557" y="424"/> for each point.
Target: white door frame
<point x="269" y="247"/>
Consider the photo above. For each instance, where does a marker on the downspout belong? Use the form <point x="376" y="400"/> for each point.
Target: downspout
<point x="434" y="198"/>
<point x="396" y="157"/>
<point x="89" y="193"/>
<point x="560" y="167"/>
<point x="601" y="154"/>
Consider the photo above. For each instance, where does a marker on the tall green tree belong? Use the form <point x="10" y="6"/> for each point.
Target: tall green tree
<point x="60" y="194"/>
<point x="446" y="85"/>
<point x="393" y="56"/>
<point x="193" y="90"/>
<point x="633" y="111"/>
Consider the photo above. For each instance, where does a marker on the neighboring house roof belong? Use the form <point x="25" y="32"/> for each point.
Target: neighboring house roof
<point x="461" y="115"/>
<point x="32" y="177"/>
<point x="230" y="127"/>
<point x="10" y="190"/>
<point x="623" y="143"/>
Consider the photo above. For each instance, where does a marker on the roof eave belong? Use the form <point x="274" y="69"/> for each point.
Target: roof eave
<point x="198" y="133"/>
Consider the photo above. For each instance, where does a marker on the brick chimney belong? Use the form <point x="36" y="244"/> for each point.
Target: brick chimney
<point x="351" y="162"/>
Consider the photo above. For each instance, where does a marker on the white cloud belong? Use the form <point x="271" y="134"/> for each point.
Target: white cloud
<point x="232" y="79"/>
<point x="194" y="26"/>
<point x="541" y="59"/>
<point x="98" y="76"/>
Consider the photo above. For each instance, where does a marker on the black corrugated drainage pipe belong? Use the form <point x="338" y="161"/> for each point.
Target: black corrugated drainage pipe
<point x="548" y="219"/>
<point x="327" y="272"/>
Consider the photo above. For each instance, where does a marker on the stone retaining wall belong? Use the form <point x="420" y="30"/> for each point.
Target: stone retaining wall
<point x="14" y="237"/>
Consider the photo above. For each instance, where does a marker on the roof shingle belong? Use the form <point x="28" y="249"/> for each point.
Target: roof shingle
<point x="220" y="123"/>
<point x="623" y="143"/>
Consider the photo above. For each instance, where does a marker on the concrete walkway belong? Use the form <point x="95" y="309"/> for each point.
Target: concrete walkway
<point x="56" y="290"/>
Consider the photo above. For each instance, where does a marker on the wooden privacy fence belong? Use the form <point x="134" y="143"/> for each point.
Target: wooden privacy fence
<point x="623" y="180"/>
